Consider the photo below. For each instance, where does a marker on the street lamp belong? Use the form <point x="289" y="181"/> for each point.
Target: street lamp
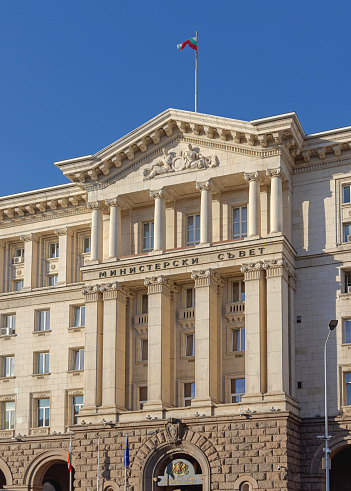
<point x="332" y="325"/>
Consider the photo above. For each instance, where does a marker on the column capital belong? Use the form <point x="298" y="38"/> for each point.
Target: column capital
<point x="277" y="172"/>
<point x="160" y="284"/>
<point x="115" y="291"/>
<point x="206" y="277"/>
<point x="96" y="205"/>
<point x="159" y="193"/>
<point x="63" y="231"/>
<point x="252" y="176"/>
<point x="92" y="293"/>
<point x="204" y="186"/>
<point x="114" y="202"/>
<point x="28" y="237"/>
<point x="252" y="271"/>
<point x="277" y="267"/>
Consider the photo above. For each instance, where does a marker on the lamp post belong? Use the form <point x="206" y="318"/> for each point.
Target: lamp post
<point x="332" y="325"/>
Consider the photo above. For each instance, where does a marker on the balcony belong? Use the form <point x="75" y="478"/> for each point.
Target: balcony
<point x="235" y="313"/>
<point x="141" y="322"/>
<point x="186" y="317"/>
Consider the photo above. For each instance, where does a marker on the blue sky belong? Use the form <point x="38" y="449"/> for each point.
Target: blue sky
<point x="77" y="75"/>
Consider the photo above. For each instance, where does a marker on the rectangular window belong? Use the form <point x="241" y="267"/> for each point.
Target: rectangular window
<point x="8" y="415"/>
<point x="53" y="250"/>
<point x="189" y="345"/>
<point x="189" y="393"/>
<point x="19" y="252"/>
<point x="143" y="350"/>
<point x="192" y="229"/>
<point x="238" y="291"/>
<point x="347" y="232"/>
<point x="142" y="397"/>
<point x="43" y="412"/>
<point x="148" y="237"/>
<point x="52" y="280"/>
<point x="17" y="285"/>
<point x="77" y="404"/>
<point x="189" y="298"/>
<point x="237" y="389"/>
<point x="8" y="366"/>
<point x="42" y="363"/>
<point x="79" y="316"/>
<point x="347" y="331"/>
<point x="86" y="244"/>
<point x="78" y="359"/>
<point x="43" y="320"/>
<point x="239" y="222"/>
<point x="348" y="388"/>
<point x="347" y="281"/>
<point x="346" y="194"/>
<point x="144" y="303"/>
<point x="238" y="339"/>
<point x="9" y="325"/>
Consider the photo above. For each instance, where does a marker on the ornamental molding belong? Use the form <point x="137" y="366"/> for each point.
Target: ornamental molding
<point x="115" y="291"/>
<point x="174" y="431"/>
<point x="277" y="172"/>
<point x="252" y="271"/>
<point x="252" y="176"/>
<point x="278" y="267"/>
<point x="207" y="278"/>
<point x="160" y="284"/>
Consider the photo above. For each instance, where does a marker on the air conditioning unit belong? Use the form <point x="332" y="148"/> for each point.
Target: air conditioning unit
<point x="18" y="260"/>
<point x="349" y="289"/>
<point x="4" y="331"/>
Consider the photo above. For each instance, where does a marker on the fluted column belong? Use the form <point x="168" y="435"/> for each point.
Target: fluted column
<point x="206" y="337"/>
<point x="254" y="203"/>
<point x="65" y="255"/>
<point x="114" y="348"/>
<point x="30" y="261"/>
<point x="159" y="342"/>
<point x="276" y="209"/>
<point x="115" y="228"/>
<point x="205" y="212"/>
<point x="159" y="220"/>
<point x="96" y="231"/>
<point x="255" y="330"/>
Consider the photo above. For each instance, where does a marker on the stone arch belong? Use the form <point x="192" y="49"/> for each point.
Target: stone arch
<point x="245" y="479"/>
<point x="36" y="469"/>
<point x="111" y="486"/>
<point x="336" y="444"/>
<point x="7" y="472"/>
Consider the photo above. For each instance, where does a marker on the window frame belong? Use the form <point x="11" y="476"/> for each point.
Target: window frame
<point x="74" y="415"/>
<point x="145" y="246"/>
<point x="53" y="253"/>
<point x="141" y="402"/>
<point x="186" y="298"/>
<point x="74" y="309"/>
<point x="11" y="366"/>
<point x="11" y="412"/>
<point x="195" y="241"/>
<point x="73" y="359"/>
<point x="50" y="276"/>
<point x="12" y="324"/>
<point x="46" y="321"/>
<point x="143" y="341"/>
<point x="187" y="399"/>
<point x="344" y="234"/>
<point x="16" y="283"/>
<point x="241" y="290"/>
<point x="42" y="358"/>
<point x="86" y="238"/>
<point x="346" y="186"/>
<point x="46" y="409"/>
<point x="21" y="254"/>
<point x="241" y="234"/>
<point x="142" y="305"/>
<point x="240" y="339"/>
<point x="235" y="394"/>
<point x="186" y="336"/>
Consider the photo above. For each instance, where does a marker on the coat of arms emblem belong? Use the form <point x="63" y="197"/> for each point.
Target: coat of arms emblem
<point x="180" y="469"/>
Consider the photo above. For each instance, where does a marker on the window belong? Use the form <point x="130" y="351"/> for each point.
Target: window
<point x="189" y="298"/>
<point x="8" y="366"/>
<point x="347" y="330"/>
<point x="143" y="350"/>
<point x="52" y="280"/>
<point x="19" y="252"/>
<point x="239" y="222"/>
<point x="192" y="229"/>
<point x="346" y="194"/>
<point x="78" y="359"/>
<point x="9" y="325"/>
<point x="79" y="316"/>
<point x="17" y="285"/>
<point x="347" y="231"/>
<point x="245" y="486"/>
<point x="237" y="389"/>
<point x="8" y="415"/>
<point x="77" y="404"/>
<point x="43" y="320"/>
<point x="142" y="397"/>
<point x="144" y="303"/>
<point x="348" y="388"/>
<point x="86" y="244"/>
<point x="148" y="237"/>
<point x="43" y="412"/>
<point x="238" y="291"/>
<point x="347" y="281"/>
<point x="53" y="250"/>
<point x="42" y="363"/>
<point x="238" y="339"/>
<point x="189" y="345"/>
<point x="189" y="393"/>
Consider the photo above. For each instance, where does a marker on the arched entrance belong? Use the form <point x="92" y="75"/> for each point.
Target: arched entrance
<point x="49" y="469"/>
<point x="57" y="478"/>
<point x="340" y="473"/>
<point x="2" y="480"/>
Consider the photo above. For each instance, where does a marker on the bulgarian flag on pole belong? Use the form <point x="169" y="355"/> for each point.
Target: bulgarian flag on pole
<point x="69" y="460"/>
<point x="192" y="42"/>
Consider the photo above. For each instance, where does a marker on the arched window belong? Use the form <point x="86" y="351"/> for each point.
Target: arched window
<point x="245" y="486"/>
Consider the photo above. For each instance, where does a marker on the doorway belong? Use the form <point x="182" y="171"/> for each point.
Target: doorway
<point x="340" y="472"/>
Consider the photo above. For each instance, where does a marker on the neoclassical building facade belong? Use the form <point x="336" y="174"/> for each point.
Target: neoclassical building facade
<point x="179" y="290"/>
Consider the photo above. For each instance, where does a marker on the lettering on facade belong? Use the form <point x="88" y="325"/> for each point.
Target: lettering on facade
<point x="177" y="263"/>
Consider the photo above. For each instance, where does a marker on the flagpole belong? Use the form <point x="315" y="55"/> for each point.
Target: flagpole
<point x="70" y="472"/>
<point x="98" y="469"/>
<point x="196" y="73"/>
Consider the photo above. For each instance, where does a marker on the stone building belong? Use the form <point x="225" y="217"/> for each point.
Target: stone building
<point x="179" y="290"/>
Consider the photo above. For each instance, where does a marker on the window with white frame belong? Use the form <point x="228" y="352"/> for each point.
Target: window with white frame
<point x="347" y="282"/>
<point x="189" y="345"/>
<point x="347" y="232"/>
<point x="9" y="322"/>
<point x="148" y="236"/>
<point x="52" y="279"/>
<point x="86" y="244"/>
<point x="43" y="412"/>
<point x="238" y="339"/>
<point x="346" y="195"/>
<point x="144" y="303"/>
<point x="43" y="320"/>
<point x="78" y="316"/>
<point x="8" y="366"/>
<point x="8" y="415"/>
<point x="347" y="331"/>
<point x="189" y="393"/>
<point x="19" y="252"/>
<point x="17" y="285"/>
<point x="143" y="350"/>
<point x="142" y="397"/>
<point x="239" y="222"/>
<point x="41" y="363"/>
<point x="193" y="229"/>
<point x="53" y="250"/>
<point x="77" y="359"/>
<point x="237" y="389"/>
<point x="189" y="298"/>
<point x="238" y="291"/>
<point x="347" y="388"/>
<point x="77" y="404"/>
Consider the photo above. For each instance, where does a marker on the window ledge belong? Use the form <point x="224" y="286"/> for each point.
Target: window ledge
<point x="7" y="433"/>
<point x="346" y="345"/>
<point x="142" y="363"/>
<point x="42" y="430"/>
<point x="75" y="328"/>
<point x="40" y="375"/>
<point x="8" y="336"/>
<point x="75" y="372"/>
<point x="237" y="354"/>
<point x="7" y="379"/>
<point x="42" y="333"/>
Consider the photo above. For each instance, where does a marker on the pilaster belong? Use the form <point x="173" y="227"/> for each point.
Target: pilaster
<point x="30" y="261"/>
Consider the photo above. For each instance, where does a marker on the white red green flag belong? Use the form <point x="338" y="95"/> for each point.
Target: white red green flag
<point x="69" y="460"/>
<point x="192" y="42"/>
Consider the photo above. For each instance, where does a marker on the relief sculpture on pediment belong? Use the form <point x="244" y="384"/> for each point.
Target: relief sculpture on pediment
<point x="191" y="158"/>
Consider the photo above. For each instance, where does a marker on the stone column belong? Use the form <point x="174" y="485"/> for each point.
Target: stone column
<point x="276" y="207"/>
<point x="277" y="326"/>
<point x="292" y="288"/>
<point x="254" y="204"/>
<point x="159" y="342"/>
<point x="115" y="228"/>
<point x="3" y="265"/>
<point x="114" y="348"/>
<point x="255" y="331"/>
<point x="205" y="212"/>
<point x="216" y="218"/>
<point x="159" y="220"/>
<point x="30" y="279"/>
<point x="65" y="255"/>
<point x="92" y="350"/>
<point x="96" y="231"/>
<point x="171" y="228"/>
<point x="206" y="347"/>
